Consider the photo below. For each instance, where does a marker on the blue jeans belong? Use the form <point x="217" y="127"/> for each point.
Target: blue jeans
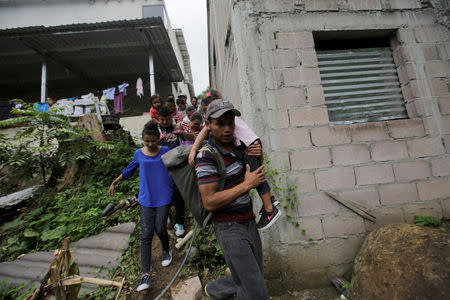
<point x="241" y="247"/>
<point x="152" y="219"/>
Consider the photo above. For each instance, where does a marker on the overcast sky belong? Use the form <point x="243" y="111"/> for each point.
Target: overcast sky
<point x="191" y="17"/>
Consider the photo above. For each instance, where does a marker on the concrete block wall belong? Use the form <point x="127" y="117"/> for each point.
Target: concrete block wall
<point x="396" y="168"/>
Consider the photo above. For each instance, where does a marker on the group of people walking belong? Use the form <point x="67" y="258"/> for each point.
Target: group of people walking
<point x="215" y="123"/>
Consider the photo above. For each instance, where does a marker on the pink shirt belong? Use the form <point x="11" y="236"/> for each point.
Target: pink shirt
<point x="243" y="133"/>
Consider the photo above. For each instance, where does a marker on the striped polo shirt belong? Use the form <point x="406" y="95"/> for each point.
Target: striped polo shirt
<point x="240" y="210"/>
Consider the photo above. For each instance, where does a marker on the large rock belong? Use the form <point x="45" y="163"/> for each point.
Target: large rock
<point x="402" y="261"/>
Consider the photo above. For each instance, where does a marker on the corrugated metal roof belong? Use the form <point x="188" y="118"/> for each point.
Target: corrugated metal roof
<point x="360" y="85"/>
<point x="98" y="52"/>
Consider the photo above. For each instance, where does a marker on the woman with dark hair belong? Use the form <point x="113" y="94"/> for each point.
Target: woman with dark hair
<point x="155" y="197"/>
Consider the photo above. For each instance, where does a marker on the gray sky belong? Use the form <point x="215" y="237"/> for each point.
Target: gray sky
<point x="191" y="17"/>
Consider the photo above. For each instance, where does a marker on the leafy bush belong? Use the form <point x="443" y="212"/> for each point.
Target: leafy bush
<point x="75" y="212"/>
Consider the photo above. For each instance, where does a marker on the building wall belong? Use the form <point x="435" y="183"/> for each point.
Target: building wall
<point x="397" y="168"/>
<point x="24" y="13"/>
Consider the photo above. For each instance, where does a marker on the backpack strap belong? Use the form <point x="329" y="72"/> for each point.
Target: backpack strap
<point x="220" y="164"/>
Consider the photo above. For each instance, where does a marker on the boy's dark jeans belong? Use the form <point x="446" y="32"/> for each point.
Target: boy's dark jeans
<point x="242" y="250"/>
<point x="152" y="219"/>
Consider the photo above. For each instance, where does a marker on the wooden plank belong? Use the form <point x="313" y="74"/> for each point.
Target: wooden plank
<point x="355" y="207"/>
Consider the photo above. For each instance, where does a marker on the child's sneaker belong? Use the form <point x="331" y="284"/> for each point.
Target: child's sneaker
<point x="166" y="258"/>
<point x="145" y="282"/>
<point x="179" y="230"/>
<point x="268" y="218"/>
<point x="275" y="202"/>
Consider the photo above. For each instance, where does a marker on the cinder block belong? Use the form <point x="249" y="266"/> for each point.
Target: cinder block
<point x="405" y="36"/>
<point x="367" y="196"/>
<point x="364" y="4"/>
<point x="293" y="138"/>
<point x="436" y="68"/>
<point x="317" y="204"/>
<point x="424" y="107"/>
<point x="309" y="58"/>
<point x="383" y="151"/>
<point x="445" y="125"/>
<point x="444" y="105"/>
<point x="284" y="58"/>
<point x="350" y="155"/>
<point x="324" y="253"/>
<point x="305" y="182"/>
<point x="431" y="208"/>
<point x="309" y="116"/>
<point x="294" y="40"/>
<point x="441" y="166"/>
<point x="330" y="135"/>
<point x="343" y="224"/>
<point x="445" y="204"/>
<point x="321" y="5"/>
<point x="311" y="159"/>
<point x="430" y="52"/>
<point x="310" y="76"/>
<point x="276" y="7"/>
<point x="406" y="128"/>
<point x="335" y="179"/>
<point x="398" y="193"/>
<point x="315" y="95"/>
<point x="446" y="139"/>
<point x="439" y="87"/>
<point x="373" y="131"/>
<point x="385" y="215"/>
<point x="289" y="97"/>
<point x="429" y="34"/>
<point x="412" y="170"/>
<point x="282" y="118"/>
<point x="405" y="4"/>
<point x="424" y="147"/>
<point x="406" y="92"/>
<point x="292" y="77"/>
<point x="309" y="227"/>
<point x="411" y="109"/>
<point x="374" y="174"/>
<point x="416" y="87"/>
<point x="434" y="189"/>
<point x="280" y="161"/>
<point x="267" y="41"/>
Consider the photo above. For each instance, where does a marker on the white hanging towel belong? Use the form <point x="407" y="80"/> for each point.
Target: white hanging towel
<point x="123" y="88"/>
<point x="109" y="93"/>
<point x="139" y="87"/>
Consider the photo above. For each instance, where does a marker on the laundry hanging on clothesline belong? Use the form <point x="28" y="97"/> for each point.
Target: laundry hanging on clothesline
<point x="109" y="93"/>
<point x="139" y="87"/>
<point x="123" y="88"/>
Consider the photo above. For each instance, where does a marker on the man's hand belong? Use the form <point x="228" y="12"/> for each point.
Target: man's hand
<point x="255" y="178"/>
<point x="255" y="150"/>
<point x="191" y="158"/>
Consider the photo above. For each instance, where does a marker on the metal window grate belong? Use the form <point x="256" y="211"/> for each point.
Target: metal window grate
<point x="361" y="85"/>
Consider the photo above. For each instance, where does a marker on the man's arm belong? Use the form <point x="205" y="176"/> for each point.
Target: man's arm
<point x="214" y="200"/>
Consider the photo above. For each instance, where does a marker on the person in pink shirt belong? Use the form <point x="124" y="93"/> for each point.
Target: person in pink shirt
<point x="156" y="102"/>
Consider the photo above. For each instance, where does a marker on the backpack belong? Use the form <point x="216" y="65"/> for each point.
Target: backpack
<point x="185" y="178"/>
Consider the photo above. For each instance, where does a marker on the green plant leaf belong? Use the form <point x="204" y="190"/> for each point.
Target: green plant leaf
<point x="30" y="233"/>
<point x="7" y="226"/>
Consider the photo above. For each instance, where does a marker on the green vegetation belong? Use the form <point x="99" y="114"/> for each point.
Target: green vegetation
<point x="428" y="221"/>
<point x="76" y="211"/>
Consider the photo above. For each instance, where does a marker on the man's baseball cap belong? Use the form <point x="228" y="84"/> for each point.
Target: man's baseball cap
<point x="218" y="107"/>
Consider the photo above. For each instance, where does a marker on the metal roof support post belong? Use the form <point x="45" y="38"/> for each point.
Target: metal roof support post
<point x="152" y="74"/>
<point x="44" y="82"/>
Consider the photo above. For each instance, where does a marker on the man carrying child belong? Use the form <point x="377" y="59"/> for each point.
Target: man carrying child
<point x="233" y="217"/>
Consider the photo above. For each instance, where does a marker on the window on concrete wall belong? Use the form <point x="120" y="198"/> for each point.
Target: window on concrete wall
<point x="359" y="79"/>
